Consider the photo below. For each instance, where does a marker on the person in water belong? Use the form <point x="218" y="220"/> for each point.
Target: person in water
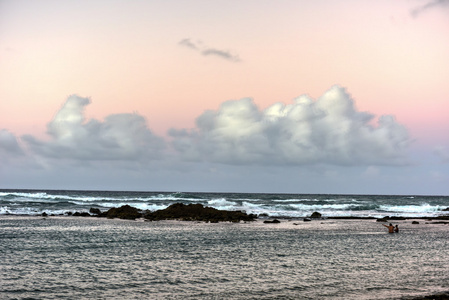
<point x="390" y="228"/>
<point x="396" y="228"/>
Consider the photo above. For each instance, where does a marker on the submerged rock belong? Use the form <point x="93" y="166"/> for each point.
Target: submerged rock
<point x="198" y="212"/>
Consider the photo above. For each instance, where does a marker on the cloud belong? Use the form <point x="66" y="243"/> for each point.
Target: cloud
<point x="9" y="144"/>
<point x="118" y="137"/>
<point x="429" y="5"/>
<point x="208" y="51"/>
<point x="329" y="130"/>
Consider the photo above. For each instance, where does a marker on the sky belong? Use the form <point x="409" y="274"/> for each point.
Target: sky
<point x="348" y="97"/>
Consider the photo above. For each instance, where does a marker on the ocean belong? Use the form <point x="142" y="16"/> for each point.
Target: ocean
<point x="66" y="257"/>
<point x="35" y="202"/>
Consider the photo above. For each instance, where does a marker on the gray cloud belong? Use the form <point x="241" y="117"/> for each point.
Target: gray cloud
<point x="428" y="6"/>
<point x="9" y="144"/>
<point x="329" y="130"/>
<point x="208" y="51"/>
<point x="118" y="137"/>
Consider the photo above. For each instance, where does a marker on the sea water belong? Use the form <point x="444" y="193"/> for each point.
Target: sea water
<point x="35" y="202"/>
<point x="63" y="257"/>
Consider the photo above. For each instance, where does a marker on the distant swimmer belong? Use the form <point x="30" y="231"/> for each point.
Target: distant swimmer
<point x="390" y="228"/>
<point x="396" y="228"/>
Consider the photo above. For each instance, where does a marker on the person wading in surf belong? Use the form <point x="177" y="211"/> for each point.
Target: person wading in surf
<point x="390" y="228"/>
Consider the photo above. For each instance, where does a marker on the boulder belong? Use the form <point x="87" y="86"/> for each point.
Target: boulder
<point x="415" y="222"/>
<point x="307" y="220"/>
<point x="315" y="215"/>
<point x="95" y="211"/>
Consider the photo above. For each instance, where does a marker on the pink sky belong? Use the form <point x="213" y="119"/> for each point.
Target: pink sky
<point x="390" y="56"/>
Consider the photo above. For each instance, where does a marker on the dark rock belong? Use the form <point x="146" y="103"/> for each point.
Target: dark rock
<point x="315" y="215"/>
<point x="384" y="219"/>
<point x="82" y="214"/>
<point x="446" y="209"/>
<point x="263" y="215"/>
<point x="95" y="211"/>
<point x="415" y="222"/>
<point x="307" y="220"/>
<point x="275" y="221"/>
<point x="124" y="212"/>
<point x="69" y="213"/>
<point x="44" y="214"/>
<point x="198" y="212"/>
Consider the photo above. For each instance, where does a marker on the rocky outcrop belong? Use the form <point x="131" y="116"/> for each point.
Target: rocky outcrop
<point x="198" y="212"/>
<point x="124" y="212"/>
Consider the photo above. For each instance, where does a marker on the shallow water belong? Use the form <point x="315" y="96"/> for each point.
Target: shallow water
<point x="90" y="258"/>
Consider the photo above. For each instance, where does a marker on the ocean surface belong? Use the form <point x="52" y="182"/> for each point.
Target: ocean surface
<point x="66" y="257"/>
<point x="34" y="202"/>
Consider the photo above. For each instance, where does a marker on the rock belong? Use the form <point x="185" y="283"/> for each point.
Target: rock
<point x="198" y="212"/>
<point x="123" y="212"/>
<point x="275" y="221"/>
<point x="69" y="213"/>
<point x="315" y="215"/>
<point x="44" y="214"/>
<point x="446" y="209"/>
<point x="415" y="222"/>
<point x="384" y="219"/>
<point x="95" y="211"/>
<point x="82" y="214"/>
<point x="307" y="220"/>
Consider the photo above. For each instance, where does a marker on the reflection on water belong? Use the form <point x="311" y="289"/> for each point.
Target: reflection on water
<point x="73" y="258"/>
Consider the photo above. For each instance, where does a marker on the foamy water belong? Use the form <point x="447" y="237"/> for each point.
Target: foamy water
<point x="19" y="202"/>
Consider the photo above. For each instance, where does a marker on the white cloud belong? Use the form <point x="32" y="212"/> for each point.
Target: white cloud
<point x="118" y="137"/>
<point x="329" y="130"/>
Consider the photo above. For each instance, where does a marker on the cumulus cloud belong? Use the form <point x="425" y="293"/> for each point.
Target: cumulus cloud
<point x="429" y="5"/>
<point x="209" y="51"/>
<point x="118" y="137"/>
<point x="327" y="130"/>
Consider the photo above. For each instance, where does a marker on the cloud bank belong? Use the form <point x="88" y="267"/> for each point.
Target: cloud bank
<point x="208" y="51"/>
<point x="118" y="137"/>
<point x="328" y="130"/>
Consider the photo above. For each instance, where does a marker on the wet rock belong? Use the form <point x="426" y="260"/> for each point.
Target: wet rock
<point x="275" y="221"/>
<point x="315" y="215"/>
<point x="307" y="219"/>
<point x="123" y="212"/>
<point x="198" y="212"/>
<point x="446" y="209"/>
<point x="384" y="219"/>
<point x="44" y="214"/>
<point x="95" y="211"/>
<point x="415" y="222"/>
<point x="81" y="214"/>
